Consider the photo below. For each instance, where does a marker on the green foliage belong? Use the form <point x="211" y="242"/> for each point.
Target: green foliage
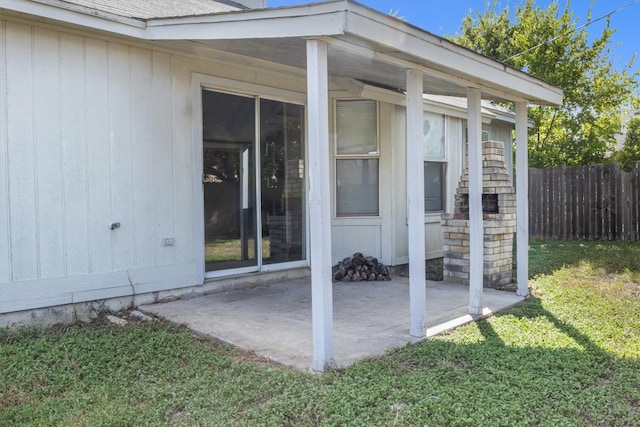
<point x="629" y="156"/>
<point x="568" y="356"/>
<point x="547" y="43"/>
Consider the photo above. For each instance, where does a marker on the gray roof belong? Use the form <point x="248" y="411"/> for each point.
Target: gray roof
<point x="148" y="9"/>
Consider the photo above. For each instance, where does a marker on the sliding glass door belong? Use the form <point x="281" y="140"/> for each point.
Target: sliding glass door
<point x="229" y="181"/>
<point x="238" y="134"/>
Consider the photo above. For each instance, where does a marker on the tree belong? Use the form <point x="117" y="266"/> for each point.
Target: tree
<point x="547" y="43"/>
<point x="629" y="156"/>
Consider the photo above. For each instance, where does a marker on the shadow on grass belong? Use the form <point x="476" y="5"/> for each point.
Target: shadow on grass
<point x="534" y="309"/>
<point x="509" y="371"/>
<point x="524" y="366"/>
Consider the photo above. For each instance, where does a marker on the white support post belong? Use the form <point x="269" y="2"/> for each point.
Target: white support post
<point x="476" y="231"/>
<point x="319" y="205"/>
<point x="522" y="199"/>
<point x="415" y="202"/>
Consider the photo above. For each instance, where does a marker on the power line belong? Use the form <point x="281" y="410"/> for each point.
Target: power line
<point x="573" y="30"/>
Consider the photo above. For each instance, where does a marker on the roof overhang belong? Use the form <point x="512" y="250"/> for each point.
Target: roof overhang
<point x="364" y="45"/>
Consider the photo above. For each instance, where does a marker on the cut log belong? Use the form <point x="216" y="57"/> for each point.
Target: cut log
<point x="360" y="268"/>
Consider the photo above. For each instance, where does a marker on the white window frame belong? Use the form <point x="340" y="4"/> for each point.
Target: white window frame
<point x="366" y="156"/>
<point x="220" y="84"/>
<point x="444" y="160"/>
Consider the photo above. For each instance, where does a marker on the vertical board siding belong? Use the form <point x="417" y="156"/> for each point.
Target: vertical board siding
<point x="74" y="171"/>
<point x="98" y="155"/>
<point x="142" y="173"/>
<point x="5" y="235"/>
<point x="20" y="151"/>
<point x="585" y="202"/>
<point x="95" y="131"/>
<point x="46" y="117"/>
<point x="120" y="129"/>
<point x="350" y="239"/>
<point x="162" y="157"/>
<point x="183" y="164"/>
<point x="91" y="132"/>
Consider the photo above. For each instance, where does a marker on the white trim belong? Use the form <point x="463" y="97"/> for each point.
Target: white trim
<point x="435" y="254"/>
<point x="335" y="157"/>
<point x="319" y="209"/>
<point x="433" y="217"/>
<point x="39" y="293"/>
<point x="214" y="274"/>
<point x="248" y="89"/>
<point x="476" y="232"/>
<point x="522" y="199"/>
<point x="415" y="204"/>
<point x="198" y="185"/>
<point x="256" y="92"/>
<point x="471" y="68"/>
<point x="345" y="221"/>
<point x="444" y="160"/>
<point x="257" y="176"/>
<point x="284" y="266"/>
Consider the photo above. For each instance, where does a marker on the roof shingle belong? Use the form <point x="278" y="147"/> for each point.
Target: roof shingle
<point x="149" y="9"/>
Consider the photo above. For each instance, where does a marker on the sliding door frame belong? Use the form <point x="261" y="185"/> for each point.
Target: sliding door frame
<point x="200" y="82"/>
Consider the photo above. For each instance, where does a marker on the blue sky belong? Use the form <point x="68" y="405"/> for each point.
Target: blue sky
<point x="443" y="17"/>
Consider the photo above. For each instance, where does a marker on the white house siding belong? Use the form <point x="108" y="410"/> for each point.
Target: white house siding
<point x="5" y="243"/>
<point x="96" y="131"/>
<point x="398" y="200"/>
<point x="504" y="132"/>
<point x="455" y="131"/>
<point x="369" y="235"/>
<point x="455" y="165"/>
<point x="88" y="142"/>
<point x="385" y="237"/>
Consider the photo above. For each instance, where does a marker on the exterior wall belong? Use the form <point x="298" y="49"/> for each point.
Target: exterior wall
<point x="455" y="165"/>
<point x="504" y="132"/>
<point x="94" y="131"/>
<point x="456" y="149"/>
<point x="366" y="234"/>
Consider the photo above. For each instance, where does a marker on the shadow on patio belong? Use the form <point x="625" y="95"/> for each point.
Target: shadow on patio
<point x="370" y="318"/>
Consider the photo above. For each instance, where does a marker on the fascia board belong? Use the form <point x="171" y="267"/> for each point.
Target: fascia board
<point x="264" y="27"/>
<point x="315" y="20"/>
<point x="309" y="21"/>
<point x="398" y="36"/>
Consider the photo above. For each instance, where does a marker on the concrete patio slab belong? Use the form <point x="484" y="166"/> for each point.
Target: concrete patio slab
<point x="370" y="318"/>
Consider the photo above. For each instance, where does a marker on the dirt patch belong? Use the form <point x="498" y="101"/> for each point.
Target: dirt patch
<point x="433" y="269"/>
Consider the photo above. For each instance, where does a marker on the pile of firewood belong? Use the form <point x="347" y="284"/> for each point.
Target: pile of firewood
<point x="360" y="268"/>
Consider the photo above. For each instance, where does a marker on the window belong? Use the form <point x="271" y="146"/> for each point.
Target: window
<point x="357" y="158"/>
<point x="434" y="179"/>
<point x="435" y="162"/>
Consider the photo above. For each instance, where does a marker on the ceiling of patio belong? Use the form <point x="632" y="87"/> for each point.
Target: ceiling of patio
<point x="342" y="62"/>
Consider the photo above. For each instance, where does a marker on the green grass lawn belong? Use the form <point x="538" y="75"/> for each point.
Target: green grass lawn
<point x="231" y="250"/>
<point x="569" y="356"/>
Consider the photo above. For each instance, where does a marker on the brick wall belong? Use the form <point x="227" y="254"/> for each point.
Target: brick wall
<point x="499" y="228"/>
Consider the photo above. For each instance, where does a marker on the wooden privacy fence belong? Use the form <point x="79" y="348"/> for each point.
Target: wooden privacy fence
<point x="585" y="202"/>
